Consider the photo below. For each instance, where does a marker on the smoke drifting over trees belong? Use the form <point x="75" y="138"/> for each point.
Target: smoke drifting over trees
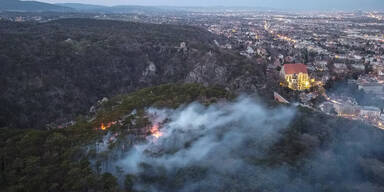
<point x="214" y="141"/>
<point x="240" y="146"/>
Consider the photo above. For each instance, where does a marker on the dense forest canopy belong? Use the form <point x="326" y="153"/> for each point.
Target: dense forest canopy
<point x="290" y="151"/>
<point x="52" y="72"/>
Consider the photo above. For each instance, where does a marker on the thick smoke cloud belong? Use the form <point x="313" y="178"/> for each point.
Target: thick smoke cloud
<point x="217" y="139"/>
<point x="232" y="147"/>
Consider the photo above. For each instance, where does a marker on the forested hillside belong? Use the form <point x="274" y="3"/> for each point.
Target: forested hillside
<point x="31" y="6"/>
<point x="52" y="72"/>
<point x="246" y="147"/>
<point x="57" y="160"/>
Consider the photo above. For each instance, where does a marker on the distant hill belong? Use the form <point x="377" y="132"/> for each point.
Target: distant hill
<point x="82" y="7"/>
<point x="155" y="9"/>
<point x="120" y="8"/>
<point x="139" y="9"/>
<point x="30" y="6"/>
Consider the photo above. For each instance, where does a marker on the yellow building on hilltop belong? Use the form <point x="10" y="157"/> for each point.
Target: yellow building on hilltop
<point x="296" y="76"/>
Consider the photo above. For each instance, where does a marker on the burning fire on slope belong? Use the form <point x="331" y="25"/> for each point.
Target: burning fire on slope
<point x="157" y="119"/>
<point x="155" y="131"/>
<point x="105" y="126"/>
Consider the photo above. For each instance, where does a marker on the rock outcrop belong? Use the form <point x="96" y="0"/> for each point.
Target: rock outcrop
<point x="52" y="72"/>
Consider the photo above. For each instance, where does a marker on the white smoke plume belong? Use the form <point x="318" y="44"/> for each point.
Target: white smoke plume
<point x="217" y="138"/>
<point x="246" y="146"/>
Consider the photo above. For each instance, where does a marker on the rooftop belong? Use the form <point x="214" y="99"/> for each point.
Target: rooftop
<point x="295" y="68"/>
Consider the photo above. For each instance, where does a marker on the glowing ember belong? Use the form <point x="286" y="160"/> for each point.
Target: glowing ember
<point x="107" y="126"/>
<point x="103" y="127"/>
<point x="155" y="131"/>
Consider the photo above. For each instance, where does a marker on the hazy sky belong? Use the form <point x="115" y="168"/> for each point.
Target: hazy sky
<point x="288" y="4"/>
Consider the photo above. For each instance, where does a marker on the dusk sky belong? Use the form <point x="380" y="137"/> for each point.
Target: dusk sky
<point x="281" y="4"/>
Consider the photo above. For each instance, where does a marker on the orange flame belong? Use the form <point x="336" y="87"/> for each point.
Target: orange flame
<point x="155" y="131"/>
<point x="103" y="127"/>
<point x="107" y="126"/>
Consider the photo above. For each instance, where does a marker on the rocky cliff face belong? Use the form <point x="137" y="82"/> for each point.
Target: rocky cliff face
<point x="52" y="72"/>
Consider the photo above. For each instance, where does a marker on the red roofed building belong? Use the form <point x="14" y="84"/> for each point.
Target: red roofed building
<point x="296" y="76"/>
<point x="295" y="68"/>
